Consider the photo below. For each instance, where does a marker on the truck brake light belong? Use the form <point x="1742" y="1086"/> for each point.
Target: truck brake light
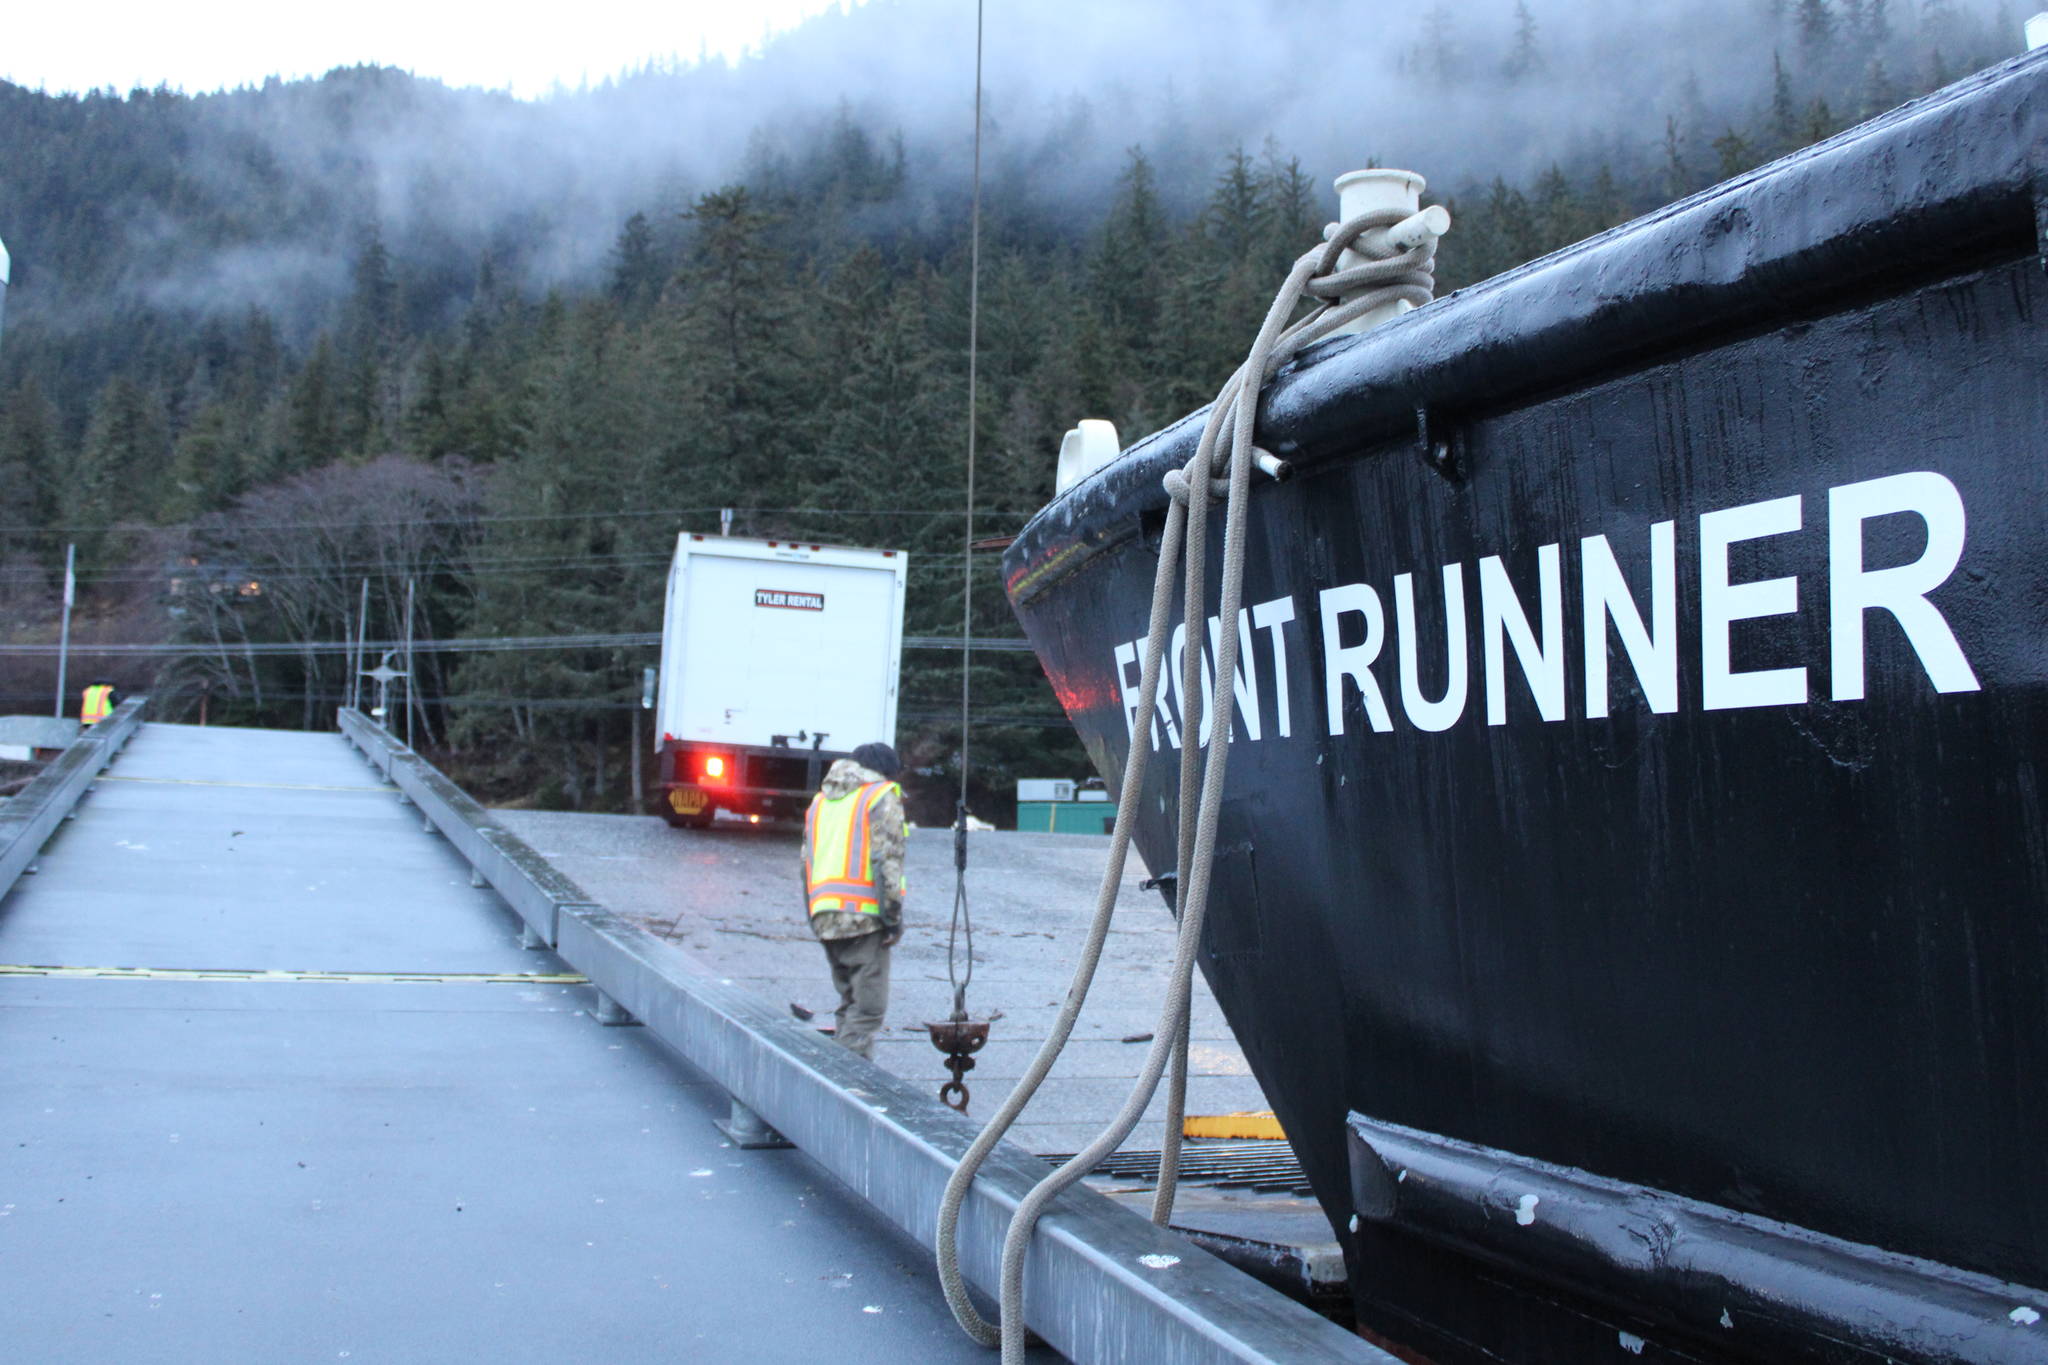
<point x="714" y="767"/>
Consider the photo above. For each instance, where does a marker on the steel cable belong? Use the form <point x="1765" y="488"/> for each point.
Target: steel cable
<point x="1387" y="274"/>
<point x="963" y="921"/>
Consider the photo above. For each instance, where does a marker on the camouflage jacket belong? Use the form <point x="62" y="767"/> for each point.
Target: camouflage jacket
<point x="885" y="843"/>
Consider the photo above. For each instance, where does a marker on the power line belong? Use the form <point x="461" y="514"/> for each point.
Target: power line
<point x="487" y="644"/>
<point x="922" y="562"/>
<point x="945" y="715"/>
<point x="498" y="518"/>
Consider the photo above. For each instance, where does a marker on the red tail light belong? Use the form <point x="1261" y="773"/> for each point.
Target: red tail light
<point x="714" y="768"/>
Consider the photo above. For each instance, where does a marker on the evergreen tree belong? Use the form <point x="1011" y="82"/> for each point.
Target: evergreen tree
<point x="372" y="341"/>
<point x="1525" y="58"/>
<point x="1677" y="174"/>
<point x="738" y="321"/>
<point x="1505" y="233"/>
<point x="1605" y="206"/>
<point x="206" y="466"/>
<point x="314" y="424"/>
<point x="256" y="364"/>
<point x="119" y="469"/>
<point x="1287" y="198"/>
<point x="549" y="562"/>
<point x="1784" y="127"/>
<point x="897" y="413"/>
<point x="1854" y="22"/>
<point x="1879" y="93"/>
<point x="1735" y="153"/>
<point x="426" y="425"/>
<point x="1940" y="26"/>
<point x="1820" y="121"/>
<point x="636" y="271"/>
<point x="1126" y="273"/>
<point x="790" y="356"/>
<point x="1816" y="32"/>
<point x="29" y="463"/>
<point x="1439" y="53"/>
<point x="1559" y="220"/>
<point x="1232" y="218"/>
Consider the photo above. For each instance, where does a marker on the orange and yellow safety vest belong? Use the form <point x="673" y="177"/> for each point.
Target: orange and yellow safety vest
<point x="98" y="704"/>
<point x="840" y="872"/>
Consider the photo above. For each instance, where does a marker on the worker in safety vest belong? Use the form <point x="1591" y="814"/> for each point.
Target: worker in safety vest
<point x="853" y="884"/>
<point x="98" y="702"/>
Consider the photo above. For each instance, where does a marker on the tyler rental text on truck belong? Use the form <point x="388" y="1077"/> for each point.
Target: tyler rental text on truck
<point x="776" y="658"/>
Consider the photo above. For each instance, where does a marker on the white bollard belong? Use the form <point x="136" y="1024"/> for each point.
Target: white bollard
<point x="1085" y="449"/>
<point x="1368" y="191"/>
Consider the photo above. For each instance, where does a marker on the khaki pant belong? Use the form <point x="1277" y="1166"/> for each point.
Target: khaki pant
<point x="860" y="972"/>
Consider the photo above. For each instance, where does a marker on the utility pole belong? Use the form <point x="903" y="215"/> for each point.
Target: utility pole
<point x="361" y="650"/>
<point x="64" y="639"/>
<point x="408" y="663"/>
<point x="638" y="803"/>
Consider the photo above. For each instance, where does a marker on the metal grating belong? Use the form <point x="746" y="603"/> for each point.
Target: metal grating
<point x="1265" y="1166"/>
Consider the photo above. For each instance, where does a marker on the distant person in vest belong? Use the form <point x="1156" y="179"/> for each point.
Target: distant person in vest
<point x="98" y="702"/>
<point x="853" y="884"/>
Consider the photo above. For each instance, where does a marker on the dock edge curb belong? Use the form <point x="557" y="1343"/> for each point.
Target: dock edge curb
<point x="29" y="818"/>
<point x="1104" y="1284"/>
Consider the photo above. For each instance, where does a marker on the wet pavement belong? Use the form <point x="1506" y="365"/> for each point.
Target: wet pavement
<point x="222" y="1159"/>
<point x="731" y="895"/>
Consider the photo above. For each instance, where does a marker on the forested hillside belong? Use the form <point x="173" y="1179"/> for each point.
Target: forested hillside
<point x="491" y="355"/>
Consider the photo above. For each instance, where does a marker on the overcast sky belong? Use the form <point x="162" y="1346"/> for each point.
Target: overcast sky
<point x="516" y="44"/>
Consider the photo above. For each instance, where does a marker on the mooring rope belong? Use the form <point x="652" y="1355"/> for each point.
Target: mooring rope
<point x="1386" y="273"/>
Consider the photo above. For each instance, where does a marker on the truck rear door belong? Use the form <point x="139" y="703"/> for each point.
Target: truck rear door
<point x="782" y="647"/>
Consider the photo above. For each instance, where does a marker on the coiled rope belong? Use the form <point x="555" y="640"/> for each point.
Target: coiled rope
<point x="1222" y="467"/>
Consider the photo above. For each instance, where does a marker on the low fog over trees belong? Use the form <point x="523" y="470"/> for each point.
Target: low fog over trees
<point x="264" y="345"/>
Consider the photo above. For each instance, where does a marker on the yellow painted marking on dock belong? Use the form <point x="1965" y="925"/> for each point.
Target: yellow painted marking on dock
<point x="353" y="978"/>
<point x="1263" y="1125"/>
<point x="253" y="786"/>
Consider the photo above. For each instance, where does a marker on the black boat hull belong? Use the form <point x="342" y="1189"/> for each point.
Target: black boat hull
<point x="1760" y="922"/>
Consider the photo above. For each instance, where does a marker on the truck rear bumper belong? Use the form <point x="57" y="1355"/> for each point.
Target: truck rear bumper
<point x="694" y="801"/>
<point x="770" y="782"/>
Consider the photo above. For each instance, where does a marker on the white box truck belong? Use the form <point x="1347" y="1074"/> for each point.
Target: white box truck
<point x="776" y="658"/>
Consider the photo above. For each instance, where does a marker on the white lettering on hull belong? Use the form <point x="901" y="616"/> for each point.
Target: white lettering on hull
<point x="1652" y="651"/>
<point x="1353" y="662"/>
<point x="1722" y="604"/>
<point x="1525" y="633"/>
<point x="1902" y="591"/>
<point x="1501" y="617"/>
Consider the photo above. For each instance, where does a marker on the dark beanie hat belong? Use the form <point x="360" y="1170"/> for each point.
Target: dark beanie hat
<point x="879" y="758"/>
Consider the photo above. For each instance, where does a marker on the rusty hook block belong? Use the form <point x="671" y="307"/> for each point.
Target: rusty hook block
<point x="959" y="1038"/>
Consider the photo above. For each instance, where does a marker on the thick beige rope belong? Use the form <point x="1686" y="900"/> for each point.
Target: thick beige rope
<point x="1386" y="274"/>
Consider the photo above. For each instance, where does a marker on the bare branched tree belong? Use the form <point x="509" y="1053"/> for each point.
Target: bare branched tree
<point x="287" y="564"/>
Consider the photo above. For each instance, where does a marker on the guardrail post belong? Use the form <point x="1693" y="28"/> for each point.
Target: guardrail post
<point x="610" y="1012"/>
<point x="51" y="798"/>
<point x="748" y="1130"/>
